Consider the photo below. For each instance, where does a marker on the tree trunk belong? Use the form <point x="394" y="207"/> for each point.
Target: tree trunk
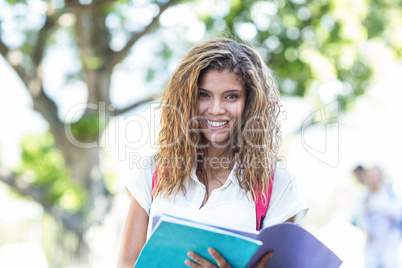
<point x="98" y="60"/>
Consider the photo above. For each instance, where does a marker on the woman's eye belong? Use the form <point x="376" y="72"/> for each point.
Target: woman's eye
<point x="203" y="95"/>
<point x="232" y="96"/>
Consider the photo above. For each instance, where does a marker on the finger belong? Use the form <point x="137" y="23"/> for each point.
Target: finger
<point x="219" y="259"/>
<point x="203" y="262"/>
<point x="264" y="260"/>
<point x="192" y="264"/>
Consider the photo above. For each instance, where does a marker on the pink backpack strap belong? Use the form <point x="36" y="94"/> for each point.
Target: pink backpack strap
<point x="261" y="207"/>
<point x="154" y="181"/>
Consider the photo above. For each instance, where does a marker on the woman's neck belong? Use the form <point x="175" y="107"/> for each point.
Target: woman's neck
<point x="214" y="151"/>
<point x="217" y="159"/>
<point x="215" y="170"/>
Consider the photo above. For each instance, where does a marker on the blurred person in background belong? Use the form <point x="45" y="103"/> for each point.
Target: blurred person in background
<point x="379" y="215"/>
<point x="359" y="173"/>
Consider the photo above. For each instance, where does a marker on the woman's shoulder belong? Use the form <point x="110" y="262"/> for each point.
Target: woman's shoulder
<point x="148" y="164"/>
<point x="283" y="174"/>
<point x="145" y="164"/>
<point x="139" y="181"/>
<point x="141" y="172"/>
<point x="284" y="180"/>
<point x="285" y="200"/>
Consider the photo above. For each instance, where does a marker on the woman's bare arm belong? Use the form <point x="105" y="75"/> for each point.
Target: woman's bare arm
<point x="134" y="234"/>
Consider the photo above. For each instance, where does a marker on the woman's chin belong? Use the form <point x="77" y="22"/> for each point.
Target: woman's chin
<point x="220" y="143"/>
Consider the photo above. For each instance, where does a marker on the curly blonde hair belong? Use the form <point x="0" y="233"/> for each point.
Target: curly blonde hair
<point x="258" y="134"/>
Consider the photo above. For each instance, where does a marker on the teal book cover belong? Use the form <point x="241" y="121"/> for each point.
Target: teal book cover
<point x="173" y="238"/>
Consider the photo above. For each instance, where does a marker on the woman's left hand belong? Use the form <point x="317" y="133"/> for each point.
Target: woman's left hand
<point x="205" y="263"/>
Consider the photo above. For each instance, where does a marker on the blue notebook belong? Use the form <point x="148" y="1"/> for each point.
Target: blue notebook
<point x="174" y="237"/>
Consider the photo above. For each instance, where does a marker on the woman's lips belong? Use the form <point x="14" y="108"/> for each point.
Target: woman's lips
<point x="216" y="125"/>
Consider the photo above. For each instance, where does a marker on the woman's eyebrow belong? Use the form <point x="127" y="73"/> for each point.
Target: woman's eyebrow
<point x="227" y="91"/>
<point x="233" y="90"/>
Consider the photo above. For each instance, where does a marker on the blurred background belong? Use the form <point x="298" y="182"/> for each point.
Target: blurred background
<point x="80" y="81"/>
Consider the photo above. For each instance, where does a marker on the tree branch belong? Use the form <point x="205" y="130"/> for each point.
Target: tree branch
<point x="48" y="109"/>
<point x="135" y="105"/>
<point x="36" y="193"/>
<point x="5" y="52"/>
<point x="120" y="55"/>
<point x="18" y="185"/>
<point x="3" y="49"/>
<point x="46" y="106"/>
<point x="43" y="36"/>
<point x="41" y="102"/>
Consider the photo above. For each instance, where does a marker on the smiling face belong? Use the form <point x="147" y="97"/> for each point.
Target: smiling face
<point x="220" y="105"/>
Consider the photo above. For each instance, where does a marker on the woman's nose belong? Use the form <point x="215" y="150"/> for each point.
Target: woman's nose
<point x="216" y="107"/>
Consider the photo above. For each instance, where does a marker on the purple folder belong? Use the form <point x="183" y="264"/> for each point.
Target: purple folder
<point x="293" y="247"/>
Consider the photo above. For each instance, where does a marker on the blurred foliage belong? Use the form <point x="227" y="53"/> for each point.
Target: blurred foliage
<point x="307" y="43"/>
<point x="87" y="129"/>
<point x="311" y="43"/>
<point x="42" y="165"/>
<point x="110" y="179"/>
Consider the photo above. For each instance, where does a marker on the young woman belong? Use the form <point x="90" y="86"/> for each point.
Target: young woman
<point x="219" y="142"/>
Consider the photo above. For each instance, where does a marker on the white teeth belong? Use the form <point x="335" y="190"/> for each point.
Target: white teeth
<point x="217" y="124"/>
